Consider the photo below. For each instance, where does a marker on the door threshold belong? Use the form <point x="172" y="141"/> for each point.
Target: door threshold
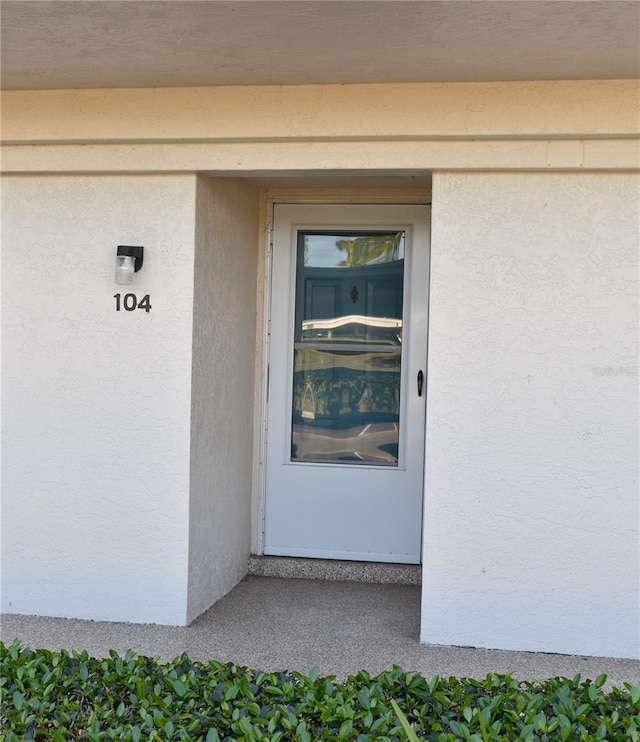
<point x="335" y="569"/>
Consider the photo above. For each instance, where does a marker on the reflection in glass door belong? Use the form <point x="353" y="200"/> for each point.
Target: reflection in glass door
<point x="348" y="347"/>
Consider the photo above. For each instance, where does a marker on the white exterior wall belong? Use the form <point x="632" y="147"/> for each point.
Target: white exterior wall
<point x="223" y="389"/>
<point x="531" y="514"/>
<point x="96" y="420"/>
<point x="124" y="494"/>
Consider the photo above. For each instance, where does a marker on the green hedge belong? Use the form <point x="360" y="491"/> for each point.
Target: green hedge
<point x="57" y="696"/>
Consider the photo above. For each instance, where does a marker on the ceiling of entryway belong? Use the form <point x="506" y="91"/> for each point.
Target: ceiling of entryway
<point x="150" y="43"/>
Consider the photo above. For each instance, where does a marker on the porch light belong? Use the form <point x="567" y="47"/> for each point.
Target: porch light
<point x="128" y="262"/>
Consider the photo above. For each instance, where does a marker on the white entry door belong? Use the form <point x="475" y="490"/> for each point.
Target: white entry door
<point x="347" y="387"/>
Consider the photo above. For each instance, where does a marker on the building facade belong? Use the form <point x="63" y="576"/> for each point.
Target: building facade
<point x="153" y="438"/>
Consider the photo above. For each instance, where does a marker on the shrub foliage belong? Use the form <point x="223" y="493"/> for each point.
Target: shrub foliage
<point x="60" y="696"/>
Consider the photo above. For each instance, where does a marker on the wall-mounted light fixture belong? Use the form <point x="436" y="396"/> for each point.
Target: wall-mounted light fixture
<point x="128" y="262"/>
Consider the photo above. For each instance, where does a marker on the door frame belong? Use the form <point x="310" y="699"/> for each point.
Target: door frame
<point x="269" y="198"/>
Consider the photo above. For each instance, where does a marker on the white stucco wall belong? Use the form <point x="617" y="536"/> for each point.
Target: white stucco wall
<point x="105" y="513"/>
<point x="531" y="514"/>
<point x="96" y="418"/>
<point x="223" y="388"/>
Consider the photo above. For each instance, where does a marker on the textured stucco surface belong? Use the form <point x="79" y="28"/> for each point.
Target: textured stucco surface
<point x="548" y="109"/>
<point x="531" y="509"/>
<point x="320" y="130"/>
<point x="373" y="158"/>
<point x="224" y="326"/>
<point x="285" y="42"/>
<point x="96" y="402"/>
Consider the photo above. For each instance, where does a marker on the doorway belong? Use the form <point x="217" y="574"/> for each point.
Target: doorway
<point x="346" y="384"/>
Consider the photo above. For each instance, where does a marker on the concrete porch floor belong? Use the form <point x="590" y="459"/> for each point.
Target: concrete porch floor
<point x="273" y="623"/>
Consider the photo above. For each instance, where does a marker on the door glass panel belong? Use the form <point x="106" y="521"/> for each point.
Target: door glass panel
<point x="348" y="347"/>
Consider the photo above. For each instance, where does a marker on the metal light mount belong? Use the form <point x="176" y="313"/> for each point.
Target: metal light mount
<point x="128" y="261"/>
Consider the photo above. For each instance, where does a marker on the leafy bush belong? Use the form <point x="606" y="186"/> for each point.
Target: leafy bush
<point x="57" y="696"/>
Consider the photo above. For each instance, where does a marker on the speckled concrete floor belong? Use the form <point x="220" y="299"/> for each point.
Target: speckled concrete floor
<point x="339" y="627"/>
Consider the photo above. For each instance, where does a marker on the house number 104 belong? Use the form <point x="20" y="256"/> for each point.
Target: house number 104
<point x="129" y="302"/>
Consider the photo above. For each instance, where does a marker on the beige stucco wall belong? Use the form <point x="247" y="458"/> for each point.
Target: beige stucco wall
<point x="531" y="496"/>
<point x="445" y="110"/>
<point x="222" y="397"/>
<point x="319" y="129"/>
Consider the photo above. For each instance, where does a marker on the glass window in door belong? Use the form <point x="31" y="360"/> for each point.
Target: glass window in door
<point x="348" y="347"/>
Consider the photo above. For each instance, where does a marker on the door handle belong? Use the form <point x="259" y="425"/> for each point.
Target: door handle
<point x="420" y="380"/>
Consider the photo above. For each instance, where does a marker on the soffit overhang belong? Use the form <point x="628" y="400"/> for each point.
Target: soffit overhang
<point x="180" y="43"/>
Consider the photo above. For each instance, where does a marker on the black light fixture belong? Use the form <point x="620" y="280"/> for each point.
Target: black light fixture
<point x="128" y="261"/>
